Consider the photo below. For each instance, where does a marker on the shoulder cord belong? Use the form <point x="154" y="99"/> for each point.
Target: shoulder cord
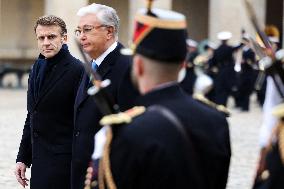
<point x="104" y="165"/>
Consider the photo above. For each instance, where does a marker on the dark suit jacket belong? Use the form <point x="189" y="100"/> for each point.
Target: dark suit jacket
<point x="149" y="153"/>
<point x="115" y="67"/>
<point x="47" y="135"/>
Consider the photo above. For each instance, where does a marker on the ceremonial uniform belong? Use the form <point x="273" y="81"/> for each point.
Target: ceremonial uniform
<point x="272" y="177"/>
<point x="272" y="99"/>
<point x="275" y="166"/>
<point x="226" y="77"/>
<point x="151" y="154"/>
<point x="47" y="136"/>
<point x="272" y="131"/>
<point x="246" y="79"/>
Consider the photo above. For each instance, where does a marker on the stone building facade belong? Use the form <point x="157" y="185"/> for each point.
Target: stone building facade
<point x="205" y="19"/>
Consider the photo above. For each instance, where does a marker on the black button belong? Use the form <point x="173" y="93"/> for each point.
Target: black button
<point x="77" y="133"/>
<point x="35" y="134"/>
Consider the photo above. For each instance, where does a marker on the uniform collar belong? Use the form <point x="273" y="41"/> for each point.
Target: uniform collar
<point x="160" y="94"/>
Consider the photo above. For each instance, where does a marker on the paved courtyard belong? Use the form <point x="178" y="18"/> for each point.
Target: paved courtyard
<point x="244" y="129"/>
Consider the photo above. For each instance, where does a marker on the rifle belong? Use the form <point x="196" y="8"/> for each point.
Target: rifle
<point x="270" y="64"/>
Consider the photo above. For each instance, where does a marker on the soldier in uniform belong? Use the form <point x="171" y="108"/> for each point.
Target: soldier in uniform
<point x="275" y="156"/>
<point x="271" y="177"/>
<point x="246" y="79"/>
<point x="273" y="97"/>
<point x="270" y="168"/>
<point x="190" y="77"/>
<point x="172" y="140"/>
<point x="224" y="62"/>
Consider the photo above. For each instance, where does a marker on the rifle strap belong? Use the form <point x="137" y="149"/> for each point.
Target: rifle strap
<point x="170" y="116"/>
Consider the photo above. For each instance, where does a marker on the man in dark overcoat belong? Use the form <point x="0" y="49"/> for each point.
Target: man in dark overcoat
<point x="97" y="32"/>
<point x="175" y="142"/>
<point x="46" y="143"/>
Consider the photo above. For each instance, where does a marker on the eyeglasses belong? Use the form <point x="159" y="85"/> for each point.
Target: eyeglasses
<point x="87" y="29"/>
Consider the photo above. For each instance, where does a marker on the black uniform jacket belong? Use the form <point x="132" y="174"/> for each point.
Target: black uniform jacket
<point x="275" y="167"/>
<point x="47" y="135"/>
<point x="150" y="153"/>
<point x="115" y="67"/>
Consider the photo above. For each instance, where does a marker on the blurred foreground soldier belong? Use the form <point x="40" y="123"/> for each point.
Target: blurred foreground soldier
<point x="272" y="176"/>
<point x="47" y="135"/>
<point x="272" y="99"/>
<point x="97" y="32"/>
<point x="268" y="161"/>
<point x="275" y="156"/>
<point x="172" y="141"/>
<point x="274" y="96"/>
<point x="223" y="62"/>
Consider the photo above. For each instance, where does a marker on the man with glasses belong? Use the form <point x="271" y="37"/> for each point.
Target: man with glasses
<point x="97" y="32"/>
<point x="47" y="135"/>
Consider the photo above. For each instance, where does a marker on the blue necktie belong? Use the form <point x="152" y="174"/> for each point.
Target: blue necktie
<point x="94" y="66"/>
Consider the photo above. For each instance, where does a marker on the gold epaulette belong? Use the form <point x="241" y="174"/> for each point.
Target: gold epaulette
<point x="278" y="111"/>
<point x="122" y="117"/>
<point x="204" y="100"/>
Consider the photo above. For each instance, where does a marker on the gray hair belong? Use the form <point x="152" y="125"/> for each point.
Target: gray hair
<point x="105" y="14"/>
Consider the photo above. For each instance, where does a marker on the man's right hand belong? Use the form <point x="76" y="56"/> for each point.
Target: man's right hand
<point x="20" y="172"/>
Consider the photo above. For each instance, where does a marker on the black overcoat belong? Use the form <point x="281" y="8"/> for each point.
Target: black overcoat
<point x="150" y="153"/>
<point x="115" y="67"/>
<point x="47" y="135"/>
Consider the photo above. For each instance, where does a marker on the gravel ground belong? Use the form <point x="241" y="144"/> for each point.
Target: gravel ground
<point x="244" y="128"/>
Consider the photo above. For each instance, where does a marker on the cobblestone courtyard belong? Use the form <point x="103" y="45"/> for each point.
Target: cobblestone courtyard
<point x="244" y="129"/>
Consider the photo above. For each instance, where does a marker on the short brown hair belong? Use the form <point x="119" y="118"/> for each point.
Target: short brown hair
<point x="49" y="20"/>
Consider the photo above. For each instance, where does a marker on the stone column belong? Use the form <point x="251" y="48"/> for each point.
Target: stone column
<point x="232" y="16"/>
<point x="67" y="11"/>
